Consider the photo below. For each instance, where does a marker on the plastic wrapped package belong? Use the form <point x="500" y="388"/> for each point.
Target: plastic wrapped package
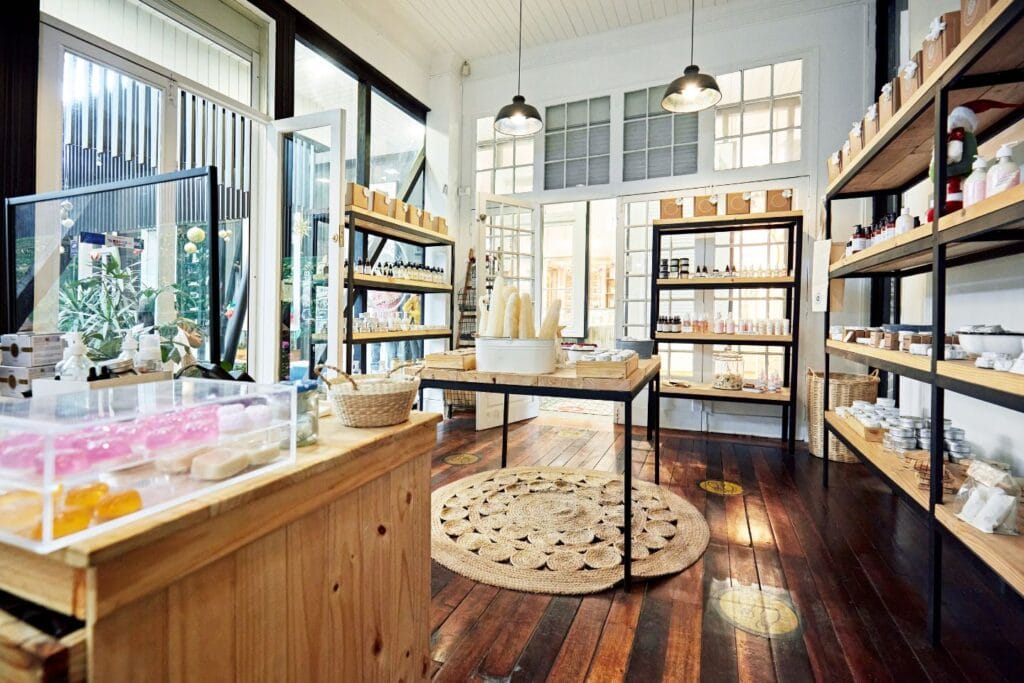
<point x="988" y="499"/>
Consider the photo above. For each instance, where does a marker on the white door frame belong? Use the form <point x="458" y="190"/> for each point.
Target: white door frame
<point x="489" y="406"/>
<point x="266" y="277"/>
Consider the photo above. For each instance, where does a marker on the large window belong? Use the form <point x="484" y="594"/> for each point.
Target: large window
<point x="223" y="66"/>
<point x="577" y="143"/>
<point x="758" y="120"/>
<point x="320" y="85"/>
<point x="655" y="143"/>
<point x="504" y="165"/>
<point x="397" y="152"/>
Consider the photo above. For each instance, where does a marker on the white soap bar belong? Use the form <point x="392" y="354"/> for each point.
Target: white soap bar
<point x="179" y="460"/>
<point x="219" y="464"/>
<point x="263" y="453"/>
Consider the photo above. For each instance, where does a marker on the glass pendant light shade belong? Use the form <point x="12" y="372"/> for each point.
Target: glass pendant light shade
<point x="518" y="118"/>
<point x="693" y="91"/>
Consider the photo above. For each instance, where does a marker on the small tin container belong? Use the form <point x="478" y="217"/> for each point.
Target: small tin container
<point x="924" y="444"/>
<point x="908" y="443"/>
<point x="953" y="434"/>
<point x="961" y="447"/>
<point x="908" y="422"/>
<point x="902" y="432"/>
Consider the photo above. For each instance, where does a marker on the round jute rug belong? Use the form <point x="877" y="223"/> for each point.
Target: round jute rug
<point x="555" y="530"/>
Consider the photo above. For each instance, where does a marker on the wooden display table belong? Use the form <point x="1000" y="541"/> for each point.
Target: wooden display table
<point x="318" y="571"/>
<point x="564" y="383"/>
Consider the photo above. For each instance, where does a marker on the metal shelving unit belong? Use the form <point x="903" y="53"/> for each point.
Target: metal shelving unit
<point x="362" y="222"/>
<point x="988" y="63"/>
<point x="792" y="222"/>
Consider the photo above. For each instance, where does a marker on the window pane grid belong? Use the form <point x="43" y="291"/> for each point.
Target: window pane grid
<point x="577" y="143"/>
<point x="656" y="144"/>
<point x="504" y="165"/>
<point x="763" y="125"/>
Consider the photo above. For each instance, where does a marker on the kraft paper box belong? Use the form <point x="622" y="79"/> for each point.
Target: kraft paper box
<point x="870" y="123"/>
<point x="669" y="209"/>
<point x="834" y="163"/>
<point x="357" y="195"/>
<point x="399" y="209"/>
<point x="382" y="204"/>
<point x="856" y="137"/>
<point x="943" y="36"/>
<point x="971" y="13"/>
<point x="705" y="205"/>
<point x="910" y="77"/>
<point x="440" y="225"/>
<point x="737" y="203"/>
<point x="888" y="102"/>
<point x="778" y="200"/>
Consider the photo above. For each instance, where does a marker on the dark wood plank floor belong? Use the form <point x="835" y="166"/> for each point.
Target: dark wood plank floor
<point x="853" y="561"/>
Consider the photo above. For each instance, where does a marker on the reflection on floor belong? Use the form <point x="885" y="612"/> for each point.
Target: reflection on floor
<point x="577" y="405"/>
<point x="836" y="579"/>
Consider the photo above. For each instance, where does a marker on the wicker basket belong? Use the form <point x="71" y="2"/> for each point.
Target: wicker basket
<point x="373" y="401"/>
<point x="843" y="390"/>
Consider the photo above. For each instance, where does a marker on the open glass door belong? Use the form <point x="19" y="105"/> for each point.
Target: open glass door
<point x="506" y="239"/>
<point x="303" y="291"/>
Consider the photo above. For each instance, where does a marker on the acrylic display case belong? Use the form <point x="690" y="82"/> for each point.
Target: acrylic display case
<point x="162" y="253"/>
<point x="77" y="465"/>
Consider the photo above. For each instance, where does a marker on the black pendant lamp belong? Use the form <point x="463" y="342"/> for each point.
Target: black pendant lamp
<point x="693" y="91"/>
<point x="519" y="118"/>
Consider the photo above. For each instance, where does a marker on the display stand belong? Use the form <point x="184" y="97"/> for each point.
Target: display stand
<point x="986" y="64"/>
<point x="792" y="222"/>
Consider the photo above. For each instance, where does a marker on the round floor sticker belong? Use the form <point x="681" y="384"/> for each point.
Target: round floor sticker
<point x="462" y="459"/>
<point x="755" y="611"/>
<point x="720" y="487"/>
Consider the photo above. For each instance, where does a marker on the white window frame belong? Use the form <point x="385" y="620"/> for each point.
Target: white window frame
<point x="771" y="99"/>
<point x="492" y="145"/>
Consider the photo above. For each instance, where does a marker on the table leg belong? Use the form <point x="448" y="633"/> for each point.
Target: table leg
<point x="419" y="404"/>
<point x="651" y="408"/>
<point x="792" y="429"/>
<point x="657" y="430"/>
<point x="785" y="422"/>
<point x="504" y="433"/>
<point x="627" y="510"/>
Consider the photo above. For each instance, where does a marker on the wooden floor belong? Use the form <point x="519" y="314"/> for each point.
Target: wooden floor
<point x="853" y="562"/>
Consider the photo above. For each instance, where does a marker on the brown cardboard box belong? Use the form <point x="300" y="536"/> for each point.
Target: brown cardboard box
<point x="934" y="51"/>
<point x="440" y="225"/>
<point x="669" y="209"/>
<point x="737" y="204"/>
<point x="910" y="77"/>
<point x="834" y="164"/>
<point x="888" y="102"/>
<point x="413" y="214"/>
<point x="846" y="154"/>
<point x="890" y="340"/>
<point x="856" y="138"/>
<point x="357" y="195"/>
<point x="971" y="12"/>
<point x="399" y="209"/>
<point x="870" y="123"/>
<point x="703" y="206"/>
<point x="851" y="336"/>
<point x="382" y="204"/>
<point x="425" y="220"/>
<point x="776" y="200"/>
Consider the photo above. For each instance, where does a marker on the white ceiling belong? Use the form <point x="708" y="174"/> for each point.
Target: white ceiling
<point x="471" y="29"/>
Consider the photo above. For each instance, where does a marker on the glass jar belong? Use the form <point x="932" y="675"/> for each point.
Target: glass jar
<point x="728" y="371"/>
<point x="307" y="413"/>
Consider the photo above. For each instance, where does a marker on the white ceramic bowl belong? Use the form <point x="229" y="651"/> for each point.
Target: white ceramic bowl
<point x="976" y="344"/>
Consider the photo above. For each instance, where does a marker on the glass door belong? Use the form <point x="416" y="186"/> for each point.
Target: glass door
<point x="303" y="293"/>
<point x="506" y="240"/>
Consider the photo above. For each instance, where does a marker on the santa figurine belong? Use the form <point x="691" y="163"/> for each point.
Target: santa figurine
<point x="961" y="149"/>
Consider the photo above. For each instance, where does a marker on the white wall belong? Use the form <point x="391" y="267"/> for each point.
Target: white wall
<point x="833" y="37"/>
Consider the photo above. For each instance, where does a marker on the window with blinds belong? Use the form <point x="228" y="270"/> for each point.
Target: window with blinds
<point x="577" y="143"/>
<point x="655" y="143"/>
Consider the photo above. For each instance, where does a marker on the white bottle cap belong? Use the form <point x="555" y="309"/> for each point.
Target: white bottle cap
<point x="76" y="347"/>
<point x="129" y="343"/>
<point x="1006" y="151"/>
<point x="979" y="164"/>
<point x="149" y="347"/>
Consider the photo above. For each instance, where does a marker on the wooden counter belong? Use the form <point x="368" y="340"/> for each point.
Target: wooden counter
<point x="318" y="571"/>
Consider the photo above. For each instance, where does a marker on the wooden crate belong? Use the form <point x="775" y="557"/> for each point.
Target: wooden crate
<point x="460" y="359"/>
<point x="607" y="369"/>
<point x="28" y="654"/>
<point x="874" y="434"/>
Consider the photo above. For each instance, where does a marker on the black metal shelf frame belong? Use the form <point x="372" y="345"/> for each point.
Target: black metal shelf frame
<point x="357" y="292"/>
<point x="1005" y="226"/>
<point x="794" y="254"/>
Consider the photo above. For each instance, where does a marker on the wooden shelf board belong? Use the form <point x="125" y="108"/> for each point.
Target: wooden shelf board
<point x="966" y="371"/>
<point x="724" y="282"/>
<point x="707" y="392"/>
<point x="888" y="463"/>
<point x="366" y="337"/>
<point x="767" y="218"/>
<point x="868" y="353"/>
<point x="724" y="338"/>
<point x="982" y="209"/>
<point x="400" y="284"/>
<point x="392" y="227"/>
<point x="877" y="253"/>
<point x="894" y="163"/>
<point x="1003" y="554"/>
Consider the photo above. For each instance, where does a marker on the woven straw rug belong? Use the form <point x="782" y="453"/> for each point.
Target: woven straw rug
<point x="555" y="530"/>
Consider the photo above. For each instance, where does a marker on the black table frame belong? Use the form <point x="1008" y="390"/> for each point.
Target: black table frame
<point x="624" y="396"/>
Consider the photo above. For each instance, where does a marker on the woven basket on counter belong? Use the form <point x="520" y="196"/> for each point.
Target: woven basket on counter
<point x="377" y="401"/>
<point x="843" y="390"/>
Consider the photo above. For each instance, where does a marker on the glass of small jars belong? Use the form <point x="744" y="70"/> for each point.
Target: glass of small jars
<point x="728" y="371"/>
<point x="307" y="413"/>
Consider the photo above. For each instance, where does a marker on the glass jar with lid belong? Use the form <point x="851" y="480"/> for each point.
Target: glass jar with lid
<point x="307" y="412"/>
<point x="728" y="367"/>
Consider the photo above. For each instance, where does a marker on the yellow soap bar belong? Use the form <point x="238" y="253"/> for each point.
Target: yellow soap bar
<point x="86" y="496"/>
<point x="118" y="504"/>
<point x="68" y="521"/>
<point x="20" y="510"/>
<point x="219" y="463"/>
